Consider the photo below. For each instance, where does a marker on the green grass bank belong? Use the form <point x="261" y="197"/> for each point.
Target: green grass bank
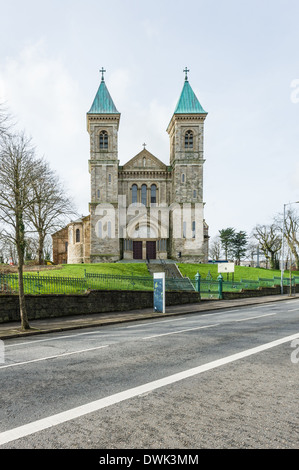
<point x="140" y="269"/>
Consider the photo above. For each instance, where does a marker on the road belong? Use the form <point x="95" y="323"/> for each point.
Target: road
<point x="226" y="380"/>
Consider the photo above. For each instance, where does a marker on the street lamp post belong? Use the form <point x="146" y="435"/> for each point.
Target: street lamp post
<point x="282" y="244"/>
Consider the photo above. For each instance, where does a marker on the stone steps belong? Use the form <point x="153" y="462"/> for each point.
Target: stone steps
<point x="170" y="269"/>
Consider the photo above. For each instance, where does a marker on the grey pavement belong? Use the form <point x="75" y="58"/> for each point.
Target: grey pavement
<point x="49" y="325"/>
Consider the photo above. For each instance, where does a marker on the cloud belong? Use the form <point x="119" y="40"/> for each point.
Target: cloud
<point x="119" y="82"/>
<point x="294" y="178"/>
<point x="40" y="91"/>
<point x="45" y="101"/>
<point x="150" y="29"/>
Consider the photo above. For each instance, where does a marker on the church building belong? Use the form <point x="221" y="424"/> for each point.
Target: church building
<point x="144" y="209"/>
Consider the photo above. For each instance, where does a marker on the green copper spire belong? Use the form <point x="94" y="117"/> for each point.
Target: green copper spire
<point x="188" y="102"/>
<point x="103" y="103"/>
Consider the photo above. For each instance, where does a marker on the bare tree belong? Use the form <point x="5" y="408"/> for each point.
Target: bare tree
<point x="48" y="248"/>
<point x="5" y="120"/>
<point x="31" y="244"/>
<point x="18" y="170"/>
<point x="291" y="231"/>
<point x="269" y="240"/>
<point x="51" y="206"/>
<point x="8" y="253"/>
<point x="215" y="248"/>
<point x="253" y="250"/>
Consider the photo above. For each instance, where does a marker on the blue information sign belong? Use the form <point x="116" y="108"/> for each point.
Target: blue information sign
<point x="159" y="292"/>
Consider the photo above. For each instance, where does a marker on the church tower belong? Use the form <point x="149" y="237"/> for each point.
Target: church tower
<point x="102" y="125"/>
<point x="144" y="209"/>
<point x="188" y="231"/>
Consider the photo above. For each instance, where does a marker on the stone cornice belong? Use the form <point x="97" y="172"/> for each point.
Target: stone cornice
<point x="185" y="117"/>
<point x="144" y="174"/>
<point x="94" y="118"/>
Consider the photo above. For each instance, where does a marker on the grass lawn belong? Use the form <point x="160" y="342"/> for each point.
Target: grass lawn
<point x="241" y="272"/>
<point x="77" y="270"/>
<point x="69" y="278"/>
<point x="140" y="269"/>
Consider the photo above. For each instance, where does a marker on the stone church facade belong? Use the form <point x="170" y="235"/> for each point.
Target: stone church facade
<point x="143" y="209"/>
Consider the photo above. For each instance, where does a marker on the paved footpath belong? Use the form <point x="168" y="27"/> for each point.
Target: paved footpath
<point x="49" y="325"/>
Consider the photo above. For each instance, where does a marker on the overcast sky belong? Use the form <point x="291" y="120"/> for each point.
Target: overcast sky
<point x="243" y="58"/>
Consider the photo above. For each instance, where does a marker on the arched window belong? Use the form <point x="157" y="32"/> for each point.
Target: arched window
<point x="104" y="140"/>
<point x="189" y="140"/>
<point x="77" y="235"/>
<point x="183" y="178"/>
<point x="134" y="193"/>
<point x="143" y="194"/>
<point x="153" y="193"/>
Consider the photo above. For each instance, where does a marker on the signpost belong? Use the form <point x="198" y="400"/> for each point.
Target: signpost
<point x="159" y="292"/>
<point x="226" y="268"/>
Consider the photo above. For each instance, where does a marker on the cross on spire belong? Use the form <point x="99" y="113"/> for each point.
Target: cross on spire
<point x="186" y="71"/>
<point x="102" y="70"/>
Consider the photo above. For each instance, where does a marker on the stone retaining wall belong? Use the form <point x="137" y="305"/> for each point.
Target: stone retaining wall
<point x="258" y="292"/>
<point x="95" y="301"/>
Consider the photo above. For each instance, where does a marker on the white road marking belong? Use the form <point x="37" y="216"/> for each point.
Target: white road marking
<point x="258" y="316"/>
<point x="144" y="338"/>
<point x="293" y="309"/>
<point x="153" y="323"/>
<point x="230" y="311"/>
<point x="55" y="338"/>
<point x="222" y="312"/>
<point x="180" y="331"/>
<point x="59" y="418"/>
<point x="207" y="326"/>
<point x="52" y="357"/>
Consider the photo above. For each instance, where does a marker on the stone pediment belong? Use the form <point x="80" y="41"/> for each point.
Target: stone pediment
<point x="144" y="160"/>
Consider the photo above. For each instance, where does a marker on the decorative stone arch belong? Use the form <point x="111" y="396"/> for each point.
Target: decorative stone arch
<point x="149" y="184"/>
<point x="189" y="139"/>
<point x="148" y="226"/>
<point x="103" y="139"/>
<point x="192" y="142"/>
<point x="143" y="229"/>
<point x="133" y="193"/>
<point x="75" y="244"/>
